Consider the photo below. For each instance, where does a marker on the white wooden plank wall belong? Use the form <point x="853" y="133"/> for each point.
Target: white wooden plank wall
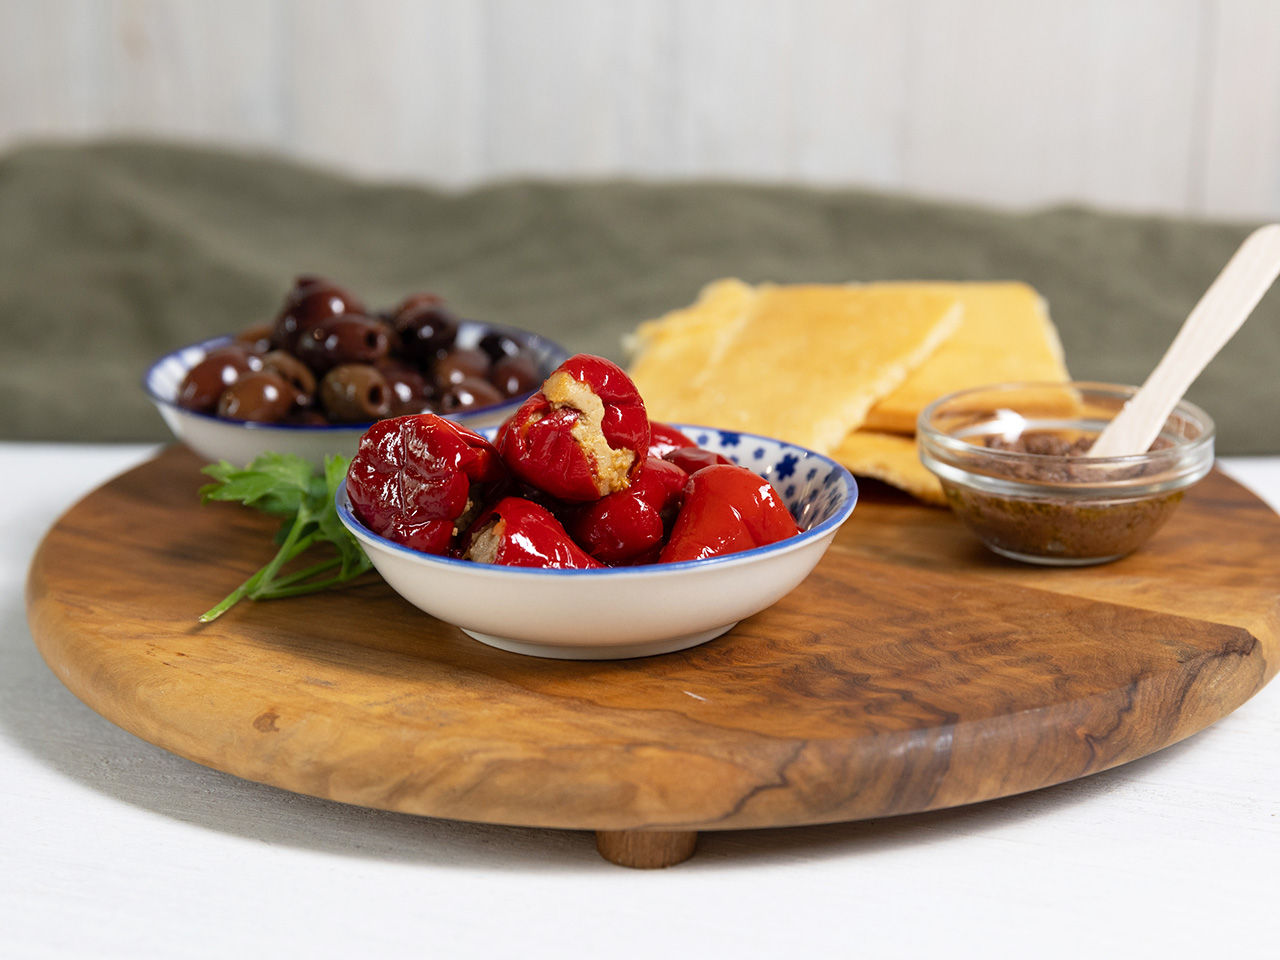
<point x="1169" y="105"/>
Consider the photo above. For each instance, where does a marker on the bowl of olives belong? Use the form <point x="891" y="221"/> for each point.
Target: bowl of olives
<point x="313" y="380"/>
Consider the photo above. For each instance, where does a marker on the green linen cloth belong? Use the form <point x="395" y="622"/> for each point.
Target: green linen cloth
<point x="113" y="253"/>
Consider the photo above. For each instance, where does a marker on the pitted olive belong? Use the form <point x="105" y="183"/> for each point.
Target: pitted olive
<point x="293" y="371"/>
<point x="470" y="392"/>
<point x="204" y="383"/>
<point x="307" y="417"/>
<point x="425" y="332"/>
<point x="355" y="393"/>
<point x="514" y="375"/>
<point x="261" y="396"/>
<point x="256" y="339"/>
<point x="414" y="301"/>
<point x="498" y="345"/>
<point x="311" y="300"/>
<point x="346" y="338"/>
<point x="410" y="391"/>
<point x="325" y="360"/>
<point x="459" y="364"/>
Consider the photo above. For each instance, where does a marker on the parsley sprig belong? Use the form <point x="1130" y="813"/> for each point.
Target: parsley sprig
<point x="286" y="486"/>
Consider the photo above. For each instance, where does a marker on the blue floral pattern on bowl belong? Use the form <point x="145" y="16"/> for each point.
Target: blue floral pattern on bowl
<point x="816" y="495"/>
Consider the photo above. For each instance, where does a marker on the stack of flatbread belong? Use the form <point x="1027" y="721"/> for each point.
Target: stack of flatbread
<point x="841" y="369"/>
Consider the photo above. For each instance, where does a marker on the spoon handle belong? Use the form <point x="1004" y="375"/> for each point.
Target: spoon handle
<point x="1221" y="311"/>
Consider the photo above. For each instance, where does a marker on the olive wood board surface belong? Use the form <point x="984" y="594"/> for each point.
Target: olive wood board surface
<point x="913" y="670"/>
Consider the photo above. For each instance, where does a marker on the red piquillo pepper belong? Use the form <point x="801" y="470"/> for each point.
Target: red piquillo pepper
<point x="585" y="434"/>
<point x="670" y="444"/>
<point x="417" y="480"/>
<point x="727" y="509"/>
<point x="663" y="438"/>
<point x="519" y="533"/>
<point x="625" y="526"/>
<point x="693" y="459"/>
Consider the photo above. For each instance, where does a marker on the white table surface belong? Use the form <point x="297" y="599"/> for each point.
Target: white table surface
<point x="110" y="847"/>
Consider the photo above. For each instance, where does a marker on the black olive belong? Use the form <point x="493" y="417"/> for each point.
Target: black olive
<point x="498" y="345"/>
<point x="425" y="332"/>
<point x="311" y="300"/>
<point x="346" y="338"/>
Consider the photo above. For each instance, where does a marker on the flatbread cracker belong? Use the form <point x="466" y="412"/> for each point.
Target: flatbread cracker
<point x="1005" y="335"/>
<point x="803" y="363"/>
<point x="687" y="337"/>
<point x="892" y="458"/>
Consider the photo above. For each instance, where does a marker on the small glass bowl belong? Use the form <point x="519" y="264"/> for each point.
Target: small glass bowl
<point x="1058" y="509"/>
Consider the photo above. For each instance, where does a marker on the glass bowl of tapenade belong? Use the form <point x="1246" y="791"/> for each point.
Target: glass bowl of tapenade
<point x="1012" y="461"/>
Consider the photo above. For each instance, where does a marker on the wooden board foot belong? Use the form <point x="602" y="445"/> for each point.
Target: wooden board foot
<point x="646" y="849"/>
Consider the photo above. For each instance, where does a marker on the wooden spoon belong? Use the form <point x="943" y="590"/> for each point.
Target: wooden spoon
<point x="1221" y="311"/>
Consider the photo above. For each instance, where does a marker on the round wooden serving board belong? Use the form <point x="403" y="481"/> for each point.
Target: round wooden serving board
<point x="912" y="671"/>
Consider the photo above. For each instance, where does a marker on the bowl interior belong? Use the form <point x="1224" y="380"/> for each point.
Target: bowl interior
<point x="816" y="489"/>
<point x="819" y="493"/>
<point x="1013" y="407"/>
<point x="954" y="432"/>
<point x="165" y="376"/>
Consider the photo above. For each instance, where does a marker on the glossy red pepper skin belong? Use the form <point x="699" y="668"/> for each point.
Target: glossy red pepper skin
<point x="524" y="534"/>
<point x="663" y="438"/>
<point x="692" y="459"/>
<point x="727" y="509"/>
<point x="543" y="441"/>
<point x="413" y="478"/>
<point x="625" y="526"/>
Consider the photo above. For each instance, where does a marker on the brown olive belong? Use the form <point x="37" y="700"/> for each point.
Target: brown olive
<point x="204" y="383"/>
<point x="355" y="393"/>
<point x="261" y="396"/>
<point x="256" y="339"/>
<point x="514" y="375"/>
<point x="346" y="338"/>
<point x="426" y="331"/>
<point x="459" y="364"/>
<point x="311" y="300"/>
<point x="307" y="417"/>
<point x="414" y="302"/>
<point x="471" y="392"/>
<point x="294" y="372"/>
<point x="410" y="390"/>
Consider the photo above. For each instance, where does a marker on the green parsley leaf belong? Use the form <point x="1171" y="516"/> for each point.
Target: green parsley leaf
<point x="286" y="486"/>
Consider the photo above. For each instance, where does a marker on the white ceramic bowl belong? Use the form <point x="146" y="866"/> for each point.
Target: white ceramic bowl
<point x="214" y="438"/>
<point x="630" y="611"/>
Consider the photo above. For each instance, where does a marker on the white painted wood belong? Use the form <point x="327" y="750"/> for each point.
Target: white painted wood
<point x="193" y="69"/>
<point x="110" y="847"/>
<point x="648" y="85"/>
<point x="1136" y="104"/>
<point x="551" y="87"/>
<point x="50" y="68"/>
<point x="1039" y="102"/>
<point x="388" y="88"/>
<point x="736" y="62"/>
<point x="1240" y="141"/>
<point x="848" y="92"/>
